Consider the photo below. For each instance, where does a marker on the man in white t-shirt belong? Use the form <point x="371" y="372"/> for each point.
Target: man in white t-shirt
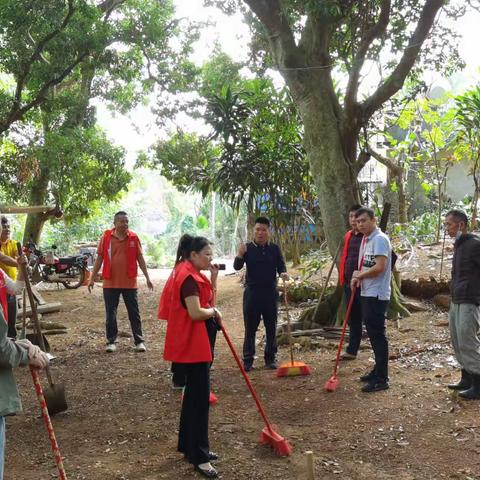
<point x="373" y="278"/>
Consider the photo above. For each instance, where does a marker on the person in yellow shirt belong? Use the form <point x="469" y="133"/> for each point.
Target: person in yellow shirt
<point x="8" y="248"/>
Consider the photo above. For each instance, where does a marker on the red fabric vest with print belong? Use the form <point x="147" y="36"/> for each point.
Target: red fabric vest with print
<point x="3" y="296"/>
<point x="186" y="340"/>
<point x="343" y="259"/>
<point x="132" y="252"/>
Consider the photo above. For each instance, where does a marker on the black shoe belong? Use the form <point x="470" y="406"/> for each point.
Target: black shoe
<point x="368" y="377"/>
<point x="464" y="384"/>
<point x="473" y="393"/>
<point x="209" y="473"/>
<point x="375" y="386"/>
<point x="247" y="367"/>
<point x="271" y="365"/>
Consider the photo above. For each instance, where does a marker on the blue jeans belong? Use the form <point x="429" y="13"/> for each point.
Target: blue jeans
<point x="2" y="445"/>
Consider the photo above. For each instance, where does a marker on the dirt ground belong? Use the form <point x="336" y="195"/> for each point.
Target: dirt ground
<point x="123" y="415"/>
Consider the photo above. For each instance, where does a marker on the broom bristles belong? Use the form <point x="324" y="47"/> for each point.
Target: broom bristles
<point x="290" y="369"/>
<point x="332" y="384"/>
<point x="279" y="444"/>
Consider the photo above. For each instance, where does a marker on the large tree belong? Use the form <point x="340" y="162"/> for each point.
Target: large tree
<point x="56" y="58"/>
<point x="311" y="42"/>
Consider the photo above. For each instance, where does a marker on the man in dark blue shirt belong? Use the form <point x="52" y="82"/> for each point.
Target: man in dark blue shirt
<point x="264" y="261"/>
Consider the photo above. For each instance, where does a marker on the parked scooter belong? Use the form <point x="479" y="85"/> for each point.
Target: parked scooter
<point x="47" y="267"/>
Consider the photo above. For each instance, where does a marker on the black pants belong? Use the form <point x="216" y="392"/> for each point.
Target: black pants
<point x="12" y="316"/>
<point x="373" y="315"/>
<point x="112" y="298"/>
<point x="193" y="432"/>
<point x="258" y="303"/>
<point x="355" y="321"/>
<point x="178" y="374"/>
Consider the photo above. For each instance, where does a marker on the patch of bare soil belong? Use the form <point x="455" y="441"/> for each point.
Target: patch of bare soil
<point x="123" y="416"/>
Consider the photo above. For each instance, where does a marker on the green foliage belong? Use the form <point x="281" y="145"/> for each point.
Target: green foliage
<point x="128" y="46"/>
<point x="422" y="229"/>
<point x="303" y="291"/>
<point x="313" y="262"/>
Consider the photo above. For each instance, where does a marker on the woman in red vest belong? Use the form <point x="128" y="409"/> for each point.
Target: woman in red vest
<point x="186" y="304"/>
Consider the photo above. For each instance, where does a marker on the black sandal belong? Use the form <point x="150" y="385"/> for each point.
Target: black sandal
<point x="209" y="473"/>
<point x="213" y="456"/>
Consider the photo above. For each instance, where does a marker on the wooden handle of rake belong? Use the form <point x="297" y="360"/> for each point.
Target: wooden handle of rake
<point x="33" y="306"/>
<point x="247" y="381"/>
<point x="289" y="326"/>
<point x="327" y="279"/>
<point x="46" y="417"/>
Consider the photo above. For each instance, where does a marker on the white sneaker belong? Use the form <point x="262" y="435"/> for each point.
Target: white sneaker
<point x="141" y="347"/>
<point x="111" y="347"/>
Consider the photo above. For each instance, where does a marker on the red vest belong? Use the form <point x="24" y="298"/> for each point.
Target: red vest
<point x="3" y="296"/>
<point x="343" y="259"/>
<point x="132" y="252"/>
<point x="186" y="340"/>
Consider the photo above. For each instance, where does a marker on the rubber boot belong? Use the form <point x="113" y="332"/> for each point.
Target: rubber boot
<point x="473" y="393"/>
<point x="464" y="383"/>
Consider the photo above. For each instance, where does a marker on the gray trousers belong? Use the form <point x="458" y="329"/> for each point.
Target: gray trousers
<point x="464" y="319"/>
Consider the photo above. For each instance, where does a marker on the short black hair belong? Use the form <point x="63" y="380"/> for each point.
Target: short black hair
<point x="263" y="221"/>
<point x="355" y="207"/>
<point x="458" y="215"/>
<point x="118" y="214"/>
<point x="368" y="211"/>
<point x="4" y="220"/>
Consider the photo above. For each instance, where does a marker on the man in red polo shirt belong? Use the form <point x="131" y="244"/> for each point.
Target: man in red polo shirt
<point x="120" y="250"/>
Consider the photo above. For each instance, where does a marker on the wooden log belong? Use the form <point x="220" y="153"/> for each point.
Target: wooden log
<point x="32" y="209"/>
<point x="424" y="288"/>
<point x="47" y="308"/>
<point x="60" y="331"/>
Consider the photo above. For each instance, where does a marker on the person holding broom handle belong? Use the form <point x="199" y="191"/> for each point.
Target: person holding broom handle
<point x="374" y="282"/>
<point x="348" y="264"/>
<point x="186" y="304"/>
<point x="12" y="354"/>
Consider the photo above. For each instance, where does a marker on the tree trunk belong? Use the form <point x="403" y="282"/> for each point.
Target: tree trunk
<point x="35" y="221"/>
<point x="402" y="200"/>
<point x="333" y="173"/>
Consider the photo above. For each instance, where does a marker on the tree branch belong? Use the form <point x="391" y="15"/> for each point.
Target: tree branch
<point x="395" y="81"/>
<point x="393" y="167"/>
<point x="284" y="49"/>
<point x="376" y="31"/>
<point x="16" y="112"/>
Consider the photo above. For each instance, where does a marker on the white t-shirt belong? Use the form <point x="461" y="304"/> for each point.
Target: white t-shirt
<point x="376" y="244"/>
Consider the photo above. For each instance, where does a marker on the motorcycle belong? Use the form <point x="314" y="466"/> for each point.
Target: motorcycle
<point x="47" y="267"/>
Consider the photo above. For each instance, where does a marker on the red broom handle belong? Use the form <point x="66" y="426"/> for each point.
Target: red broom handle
<point x="347" y="316"/>
<point x="48" y="424"/>
<point x="344" y="327"/>
<point x="248" y="382"/>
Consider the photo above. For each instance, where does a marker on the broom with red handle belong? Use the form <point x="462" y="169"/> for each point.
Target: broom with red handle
<point x="333" y="381"/>
<point x="268" y="435"/>
<point x="46" y="418"/>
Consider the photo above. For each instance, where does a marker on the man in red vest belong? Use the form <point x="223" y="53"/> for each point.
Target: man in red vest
<point x="348" y="264"/>
<point x="120" y="250"/>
